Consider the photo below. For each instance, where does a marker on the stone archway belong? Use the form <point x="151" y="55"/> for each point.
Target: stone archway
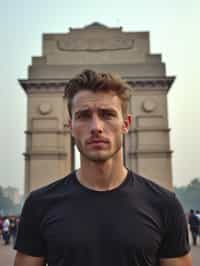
<point x="49" y="152"/>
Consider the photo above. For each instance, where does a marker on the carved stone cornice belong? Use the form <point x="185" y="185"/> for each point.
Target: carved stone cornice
<point x="152" y="129"/>
<point x="31" y="154"/>
<point x="58" y="85"/>
<point x="47" y="131"/>
<point x="138" y="153"/>
<point x="46" y="85"/>
<point x="150" y="82"/>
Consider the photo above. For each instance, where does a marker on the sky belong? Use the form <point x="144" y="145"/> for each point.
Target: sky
<point x="174" y="32"/>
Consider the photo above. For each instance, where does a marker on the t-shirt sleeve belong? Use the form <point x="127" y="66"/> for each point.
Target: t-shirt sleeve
<point x="175" y="241"/>
<point x="29" y="239"/>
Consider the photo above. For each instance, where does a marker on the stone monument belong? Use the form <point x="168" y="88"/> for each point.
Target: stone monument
<point x="49" y="148"/>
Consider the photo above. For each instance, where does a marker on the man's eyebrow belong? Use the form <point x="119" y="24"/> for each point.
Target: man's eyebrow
<point x="82" y="110"/>
<point x="103" y="108"/>
<point x="108" y="109"/>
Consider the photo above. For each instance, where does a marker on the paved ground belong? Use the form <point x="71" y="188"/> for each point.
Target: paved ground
<point x="7" y="255"/>
<point x="196" y="255"/>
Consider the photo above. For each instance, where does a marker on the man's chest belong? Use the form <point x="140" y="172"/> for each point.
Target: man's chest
<point x="119" y="225"/>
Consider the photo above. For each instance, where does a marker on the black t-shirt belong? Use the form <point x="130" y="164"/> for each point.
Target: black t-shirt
<point x="134" y="224"/>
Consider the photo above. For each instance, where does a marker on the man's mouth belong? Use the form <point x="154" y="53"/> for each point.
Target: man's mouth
<point x="97" y="141"/>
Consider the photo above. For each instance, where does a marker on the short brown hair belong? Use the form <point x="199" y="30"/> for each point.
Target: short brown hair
<point x="98" y="82"/>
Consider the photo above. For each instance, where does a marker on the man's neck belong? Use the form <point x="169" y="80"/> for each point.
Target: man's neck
<point x="101" y="176"/>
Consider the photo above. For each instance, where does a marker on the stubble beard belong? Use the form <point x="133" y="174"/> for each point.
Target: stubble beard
<point x="100" y="157"/>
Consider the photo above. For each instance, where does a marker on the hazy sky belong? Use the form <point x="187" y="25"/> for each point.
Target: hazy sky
<point x="174" y="32"/>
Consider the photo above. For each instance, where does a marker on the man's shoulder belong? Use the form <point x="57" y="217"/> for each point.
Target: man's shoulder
<point x="158" y="197"/>
<point x="150" y="188"/>
<point x="56" y="188"/>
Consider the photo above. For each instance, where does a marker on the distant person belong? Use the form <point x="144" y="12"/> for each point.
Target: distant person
<point x="1" y="225"/>
<point x="17" y="222"/>
<point x="13" y="228"/>
<point x="198" y="214"/>
<point x="6" y="230"/>
<point x="194" y="226"/>
<point x="103" y="214"/>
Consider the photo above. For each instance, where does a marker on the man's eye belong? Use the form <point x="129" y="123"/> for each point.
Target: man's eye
<point x="83" y="115"/>
<point x="107" y="114"/>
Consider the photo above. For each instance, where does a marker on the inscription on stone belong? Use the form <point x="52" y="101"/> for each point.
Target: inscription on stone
<point x="95" y="44"/>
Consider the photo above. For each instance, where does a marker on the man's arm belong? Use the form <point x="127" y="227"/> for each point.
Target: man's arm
<point x="22" y="259"/>
<point x="180" y="261"/>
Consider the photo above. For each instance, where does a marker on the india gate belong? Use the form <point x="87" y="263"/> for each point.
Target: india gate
<point x="49" y="153"/>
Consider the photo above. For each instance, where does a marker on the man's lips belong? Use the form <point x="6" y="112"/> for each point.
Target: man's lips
<point x="97" y="141"/>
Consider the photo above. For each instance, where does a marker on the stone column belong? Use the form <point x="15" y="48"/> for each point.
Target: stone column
<point x="48" y="140"/>
<point x="147" y="145"/>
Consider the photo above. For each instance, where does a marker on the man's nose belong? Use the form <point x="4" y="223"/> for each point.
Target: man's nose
<point x="96" y="125"/>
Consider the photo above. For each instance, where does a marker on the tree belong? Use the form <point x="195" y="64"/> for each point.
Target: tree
<point x="6" y="204"/>
<point x="190" y="195"/>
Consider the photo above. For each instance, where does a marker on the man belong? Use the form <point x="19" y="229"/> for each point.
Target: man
<point x="198" y="216"/>
<point x="1" y="225"/>
<point x="194" y="226"/>
<point x="102" y="214"/>
<point x="13" y="228"/>
<point x="6" y="230"/>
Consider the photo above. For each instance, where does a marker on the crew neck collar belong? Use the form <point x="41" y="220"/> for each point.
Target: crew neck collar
<point x="115" y="189"/>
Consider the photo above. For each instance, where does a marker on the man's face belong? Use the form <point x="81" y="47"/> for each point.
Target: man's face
<point x="97" y="125"/>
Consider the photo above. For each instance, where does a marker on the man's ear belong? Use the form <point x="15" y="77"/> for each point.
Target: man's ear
<point x="69" y="124"/>
<point x="127" y="123"/>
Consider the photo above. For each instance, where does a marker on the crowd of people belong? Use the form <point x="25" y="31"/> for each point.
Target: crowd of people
<point x="194" y="222"/>
<point x="8" y="228"/>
